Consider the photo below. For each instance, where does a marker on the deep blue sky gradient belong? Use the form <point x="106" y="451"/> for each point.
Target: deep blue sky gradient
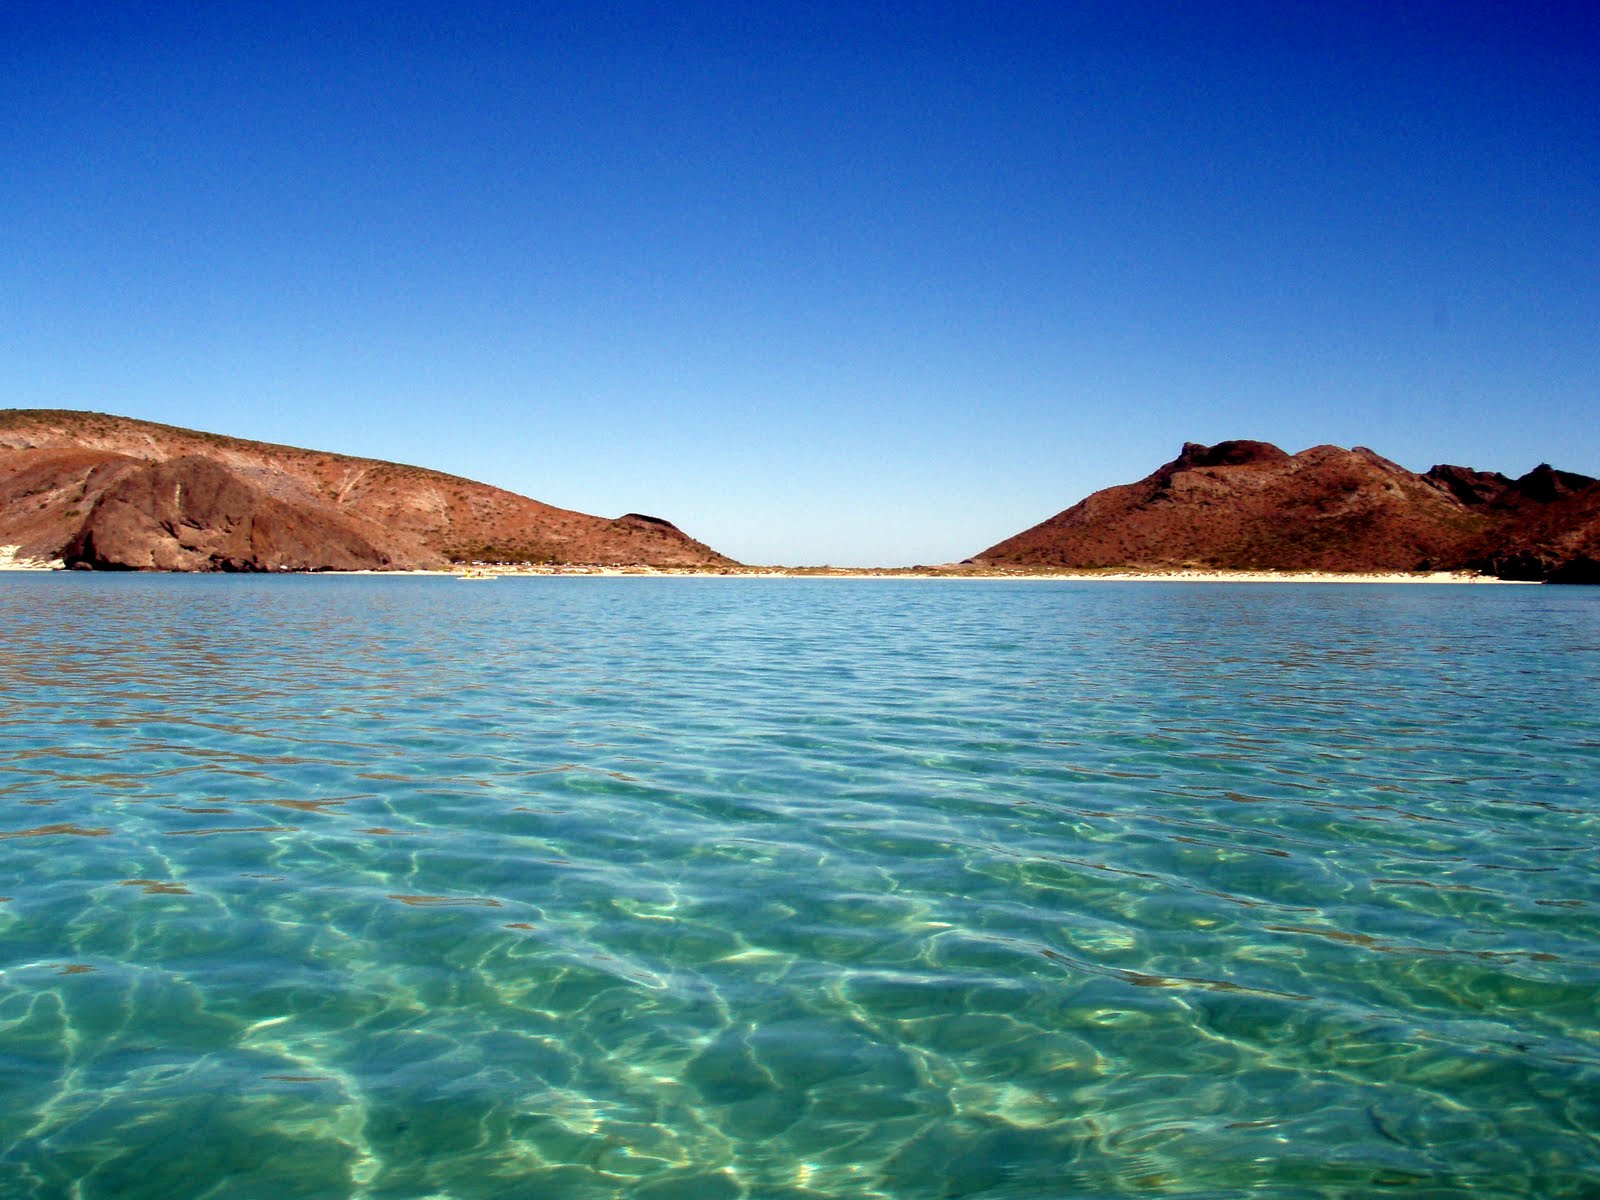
<point x="865" y="283"/>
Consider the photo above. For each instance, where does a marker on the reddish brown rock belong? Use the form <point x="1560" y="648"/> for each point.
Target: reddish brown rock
<point x="193" y="514"/>
<point x="1250" y="506"/>
<point x="124" y="493"/>
<point x="1547" y="526"/>
<point x="1469" y="486"/>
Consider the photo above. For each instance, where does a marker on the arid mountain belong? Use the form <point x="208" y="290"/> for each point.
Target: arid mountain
<point x="117" y="493"/>
<point x="1249" y="505"/>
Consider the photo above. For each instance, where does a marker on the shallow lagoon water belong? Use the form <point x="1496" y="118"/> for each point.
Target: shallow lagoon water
<point x="389" y="888"/>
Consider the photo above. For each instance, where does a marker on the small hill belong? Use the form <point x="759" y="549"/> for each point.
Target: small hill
<point x="117" y="493"/>
<point x="1242" y="505"/>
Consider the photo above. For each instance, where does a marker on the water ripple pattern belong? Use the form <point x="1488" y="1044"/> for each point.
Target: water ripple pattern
<point x="789" y="889"/>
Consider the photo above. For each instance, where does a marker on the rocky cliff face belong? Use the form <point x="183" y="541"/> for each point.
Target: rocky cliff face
<point x="193" y="514"/>
<point x="115" y="493"/>
<point x="1249" y="505"/>
<point x="1545" y="525"/>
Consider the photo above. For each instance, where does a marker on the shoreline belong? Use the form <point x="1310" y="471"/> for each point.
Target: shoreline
<point x="958" y="572"/>
<point x="9" y="561"/>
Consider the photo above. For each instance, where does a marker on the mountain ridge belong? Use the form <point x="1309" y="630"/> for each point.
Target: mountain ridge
<point x="1249" y="505"/>
<point x="114" y="492"/>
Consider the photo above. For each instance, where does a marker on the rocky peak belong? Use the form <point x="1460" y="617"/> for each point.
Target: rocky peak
<point x="1469" y="486"/>
<point x="1237" y="453"/>
<point x="1545" y="485"/>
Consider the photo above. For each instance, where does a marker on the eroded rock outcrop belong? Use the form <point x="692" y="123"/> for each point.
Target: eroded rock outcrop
<point x="193" y="514"/>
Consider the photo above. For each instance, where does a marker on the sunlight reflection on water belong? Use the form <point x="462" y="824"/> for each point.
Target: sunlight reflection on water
<point x="796" y="888"/>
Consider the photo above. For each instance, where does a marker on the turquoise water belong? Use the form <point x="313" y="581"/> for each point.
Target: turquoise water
<point x="391" y="888"/>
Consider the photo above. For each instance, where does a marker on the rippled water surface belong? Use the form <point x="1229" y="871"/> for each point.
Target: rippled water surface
<point x="320" y="887"/>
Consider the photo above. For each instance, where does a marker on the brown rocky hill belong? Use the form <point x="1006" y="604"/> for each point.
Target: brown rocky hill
<point x="116" y="493"/>
<point x="1244" y="505"/>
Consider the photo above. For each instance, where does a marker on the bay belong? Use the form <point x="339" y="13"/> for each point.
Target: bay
<point x="386" y="887"/>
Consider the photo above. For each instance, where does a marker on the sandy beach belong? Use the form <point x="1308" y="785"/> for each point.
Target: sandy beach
<point x="979" y="573"/>
<point x="11" y="561"/>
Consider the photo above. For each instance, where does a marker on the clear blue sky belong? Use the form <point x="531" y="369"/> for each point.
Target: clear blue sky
<point x="857" y="283"/>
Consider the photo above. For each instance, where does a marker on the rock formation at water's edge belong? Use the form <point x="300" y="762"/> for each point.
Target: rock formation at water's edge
<point x="114" y="493"/>
<point x="1246" y="505"/>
